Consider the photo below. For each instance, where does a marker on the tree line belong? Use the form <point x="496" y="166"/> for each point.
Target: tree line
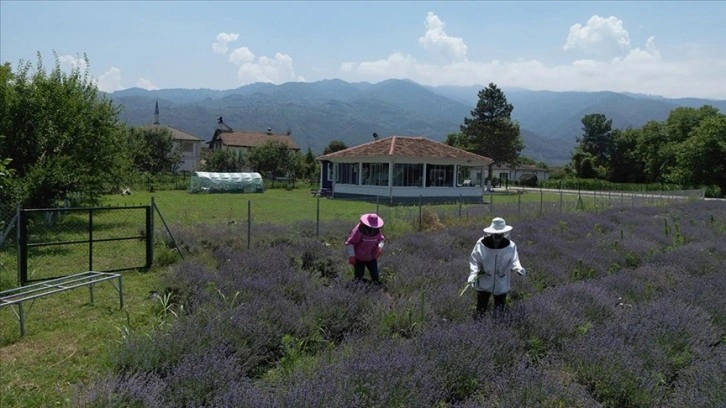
<point x="687" y="149"/>
<point x="60" y="138"/>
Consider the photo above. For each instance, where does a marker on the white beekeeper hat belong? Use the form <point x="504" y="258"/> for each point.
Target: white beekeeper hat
<point x="498" y="226"/>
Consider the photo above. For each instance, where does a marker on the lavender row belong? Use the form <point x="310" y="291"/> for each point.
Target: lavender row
<point x="621" y="308"/>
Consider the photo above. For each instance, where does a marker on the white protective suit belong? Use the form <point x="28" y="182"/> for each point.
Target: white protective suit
<point x="490" y="269"/>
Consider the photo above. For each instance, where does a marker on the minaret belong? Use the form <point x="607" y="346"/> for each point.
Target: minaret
<point x="156" y="113"/>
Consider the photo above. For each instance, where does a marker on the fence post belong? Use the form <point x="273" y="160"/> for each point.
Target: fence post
<point x="249" y="223"/>
<point x="541" y="200"/>
<point x="420" y="212"/>
<point x="377" y="205"/>
<point x="150" y="234"/>
<point x="459" y="205"/>
<point x="317" y="220"/>
<point x="519" y="202"/>
<point x="491" y="202"/>
<point x="22" y="234"/>
<point x="90" y="238"/>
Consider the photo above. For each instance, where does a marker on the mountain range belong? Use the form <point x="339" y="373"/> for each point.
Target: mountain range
<point x="318" y="112"/>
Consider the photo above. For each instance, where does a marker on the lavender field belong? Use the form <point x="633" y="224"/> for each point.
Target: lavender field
<point x="621" y="308"/>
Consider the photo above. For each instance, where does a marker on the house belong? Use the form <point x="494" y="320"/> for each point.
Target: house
<point x="403" y="169"/>
<point x="506" y="172"/>
<point x="189" y="146"/>
<point x="227" y="138"/>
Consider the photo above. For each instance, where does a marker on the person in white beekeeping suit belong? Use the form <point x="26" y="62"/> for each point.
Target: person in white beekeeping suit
<point x="491" y="264"/>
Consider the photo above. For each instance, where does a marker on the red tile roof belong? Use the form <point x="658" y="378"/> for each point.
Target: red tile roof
<point x="253" y="139"/>
<point x="407" y="146"/>
<point x="176" y="134"/>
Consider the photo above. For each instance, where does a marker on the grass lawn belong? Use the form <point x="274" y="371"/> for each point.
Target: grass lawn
<point x="68" y="340"/>
<point x="283" y="206"/>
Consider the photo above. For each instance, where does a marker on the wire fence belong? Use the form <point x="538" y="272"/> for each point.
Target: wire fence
<point x="515" y="203"/>
<point x="524" y="202"/>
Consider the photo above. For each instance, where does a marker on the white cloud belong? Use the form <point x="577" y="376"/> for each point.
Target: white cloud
<point x="650" y="53"/>
<point x="220" y="46"/>
<point x="241" y="55"/>
<point x="395" y="66"/>
<point x="602" y="37"/>
<point x="640" y="69"/>
<point x="441" y="44"/>
<point x="251" y="69"/>
<point x="109" y="81"/>
<point x="69" y="63"/>
<point x="146" y="84"/>
<point x="276" y="70"/>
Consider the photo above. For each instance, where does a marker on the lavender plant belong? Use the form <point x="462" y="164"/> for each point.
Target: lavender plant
<point x="614" y="312"/>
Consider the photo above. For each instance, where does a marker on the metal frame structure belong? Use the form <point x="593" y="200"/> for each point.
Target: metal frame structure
<point x="17" y="296"/>
<point x="23" y="217"/>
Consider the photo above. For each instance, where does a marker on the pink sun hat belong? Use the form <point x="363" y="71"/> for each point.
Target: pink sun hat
<point x="372" y="220"/>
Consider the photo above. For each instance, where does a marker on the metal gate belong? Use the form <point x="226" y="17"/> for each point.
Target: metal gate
<point x="57" y="242"/>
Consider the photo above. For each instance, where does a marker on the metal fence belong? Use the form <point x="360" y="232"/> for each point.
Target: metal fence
<point x="515" y="203"/>
<point x="51" y="243"/>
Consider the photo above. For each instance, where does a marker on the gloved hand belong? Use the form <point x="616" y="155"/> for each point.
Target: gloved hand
<point x="521" y="271"/>
<point x="472" y="280"/>
<point x="351" y="260"/>
<point x="378" y="252"/>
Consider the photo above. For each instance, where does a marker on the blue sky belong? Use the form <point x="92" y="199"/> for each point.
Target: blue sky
<point x="672" y="49"/>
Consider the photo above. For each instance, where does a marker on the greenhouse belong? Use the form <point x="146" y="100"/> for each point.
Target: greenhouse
<point x="209" y="182"/>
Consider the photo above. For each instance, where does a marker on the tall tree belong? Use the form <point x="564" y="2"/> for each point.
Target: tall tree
<point x="225" y="161"/>
<point x="490" y="131"/>
<point x="625" y="165"/>
<point x="700" y="158"/>
<point x="457" y="139"/>
<point x="272" y="157"/>
<point x="334" y="146"/>
<point x="660" y="142"/>
<point x="62" y="135"/>
<point x="652" y="148"/>
<point x="597" y="137"/>
<point x="309" y="166"/>
<point x="152" y="150"/>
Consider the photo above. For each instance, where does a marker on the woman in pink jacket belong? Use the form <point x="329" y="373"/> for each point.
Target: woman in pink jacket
<point x="364" y="245"/>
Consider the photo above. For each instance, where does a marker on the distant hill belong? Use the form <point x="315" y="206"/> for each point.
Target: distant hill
<point x="318" y="112"/>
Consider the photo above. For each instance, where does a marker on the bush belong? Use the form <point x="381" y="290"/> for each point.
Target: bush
<point x="528" y="180"/>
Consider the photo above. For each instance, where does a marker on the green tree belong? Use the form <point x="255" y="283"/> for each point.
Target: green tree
<point x="700" y="158"/>
<point x="597" y="137"/>
<point x="6" y="176"/>
<point x="681" y="121"/>
<point x="225" y="161"/>
<point x="62" y="136"/>
<point x="152" y="150"/>
<point x="625" y="166"/>
<point x="652" y="148"/>
<point x="660" y="142"/>
<point x="490" y="131"/>
<point x="583" y="164"/>
<point x="309" y="166"/>
<point x="334" y="146"/>
<point x="457" y="139"/>
<point x="272" y="157"/>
